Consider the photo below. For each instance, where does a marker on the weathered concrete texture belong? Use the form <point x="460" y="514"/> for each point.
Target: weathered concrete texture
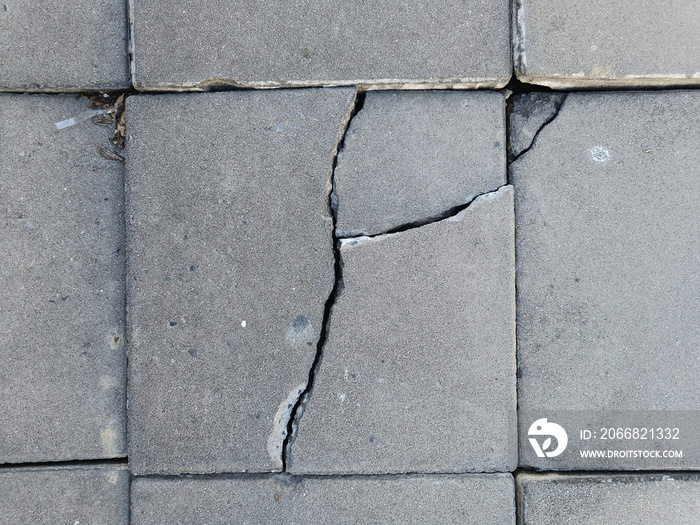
<point x="62" y="381"/>
<point x="409" y="157"/>
<point x="71" y="495"/>
<point x="615" y="500"/>
<point x="603" y="43"/>
<point x="471" y="499"/>
<point x="231" y="263"/>
<point x="528" y="113"/>
<point x="607" y="272"/>
<point x="72" y="45"/>
<point x="418" y="373"/>
<point x="306" y="43"/>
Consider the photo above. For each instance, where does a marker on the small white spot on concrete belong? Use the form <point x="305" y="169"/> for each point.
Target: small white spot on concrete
<point x="280" y="423"/>
<point x="243" y="323"/>
<point x="599" y="154"/>
<point x="341" y="397"/>
<point x="109" y="439"/>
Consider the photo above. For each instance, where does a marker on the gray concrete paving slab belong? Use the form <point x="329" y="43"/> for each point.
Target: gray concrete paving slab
<point x="230" y="266"/>
<point x="607" y="265"/>
<point x="411" y="156"/>
<point x="263" y="44"/>
<point x="63" y="377"/>
<point x="73" y="45"/>
<point x="477" y="499"/>
<point x="603" y="43"/>
<point x="418" y="373"/>
<point x="552" y="499"/>
<point x="72" y="495"/>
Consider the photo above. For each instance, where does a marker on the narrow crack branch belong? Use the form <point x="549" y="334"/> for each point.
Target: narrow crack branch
<point x="451" y="212"/>
<point x="548" y="121"/>
<point x="337" y="289"/>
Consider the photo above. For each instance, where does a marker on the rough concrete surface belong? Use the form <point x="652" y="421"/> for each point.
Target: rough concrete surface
<point x="614" y="500"/>
<point x="411" y="156"/>
<point x="603" y="43"/>
<point x="71" y="45"/>
<point x="62" y="381"/>
<point x="607" y="267"/>
<point x="528" y="113"/>
<point x="252" y="43"/>
<point x="418" y="373"/>
<point x="471" y="499"/>
<point x="71" y="495"/>
<point x="230" y="265"/>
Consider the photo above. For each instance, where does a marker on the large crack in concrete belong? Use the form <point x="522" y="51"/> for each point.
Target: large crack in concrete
<point x="303" y="398"/>
<point x="528" y="115"/>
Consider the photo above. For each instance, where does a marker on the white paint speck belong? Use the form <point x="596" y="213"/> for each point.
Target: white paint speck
<point x="600" y="154"/>
<point x="341" y="397"/>
<point x="243" y="323"/>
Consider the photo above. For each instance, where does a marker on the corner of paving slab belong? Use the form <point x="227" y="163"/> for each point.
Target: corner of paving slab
<point x="527" y="115"/>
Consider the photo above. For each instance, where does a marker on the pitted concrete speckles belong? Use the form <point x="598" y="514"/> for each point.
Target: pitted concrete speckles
<point x="300" y="332"/>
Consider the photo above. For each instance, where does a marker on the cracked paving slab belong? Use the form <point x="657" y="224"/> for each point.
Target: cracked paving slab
<point x="483" y="499"/>
<point x="528" y="114"/>
<point x="72" y="45"/>
<point x="310" y="43"/>
<point x="230" y="265"/>
<point x="87" y="494"/>
<point x="409" y="156"/>
<point x="607" y="43"/>
<point x="607" y="267"/>
<point x="63" y="377"/>
<point x="615" y="499"/>
<point x="418" y="371"/>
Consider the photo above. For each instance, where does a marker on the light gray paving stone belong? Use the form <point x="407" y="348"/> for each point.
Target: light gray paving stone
<point x="470" y="499"/>
<point x="73" y="45"/>
<point x="231" y="263"/>
<point x="63" y="375"/>
<point x="418" y="373"/>
<point x="603" y="43"/>
<point x="72" y="495"/>
<point x="263" y="44"/>
<point x="607" y="266"/>
<point x="412" y="156"/>
<point x="616" y="500"/>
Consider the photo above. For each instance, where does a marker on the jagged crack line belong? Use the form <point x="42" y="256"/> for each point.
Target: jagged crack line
<point x="451" y="212"/>
<point x="537" y="134"/>
<point x="332" y="297"/>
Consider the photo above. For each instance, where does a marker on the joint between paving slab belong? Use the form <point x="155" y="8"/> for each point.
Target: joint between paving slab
<point x="303" y="398"/>
<point x="75" y="463"/>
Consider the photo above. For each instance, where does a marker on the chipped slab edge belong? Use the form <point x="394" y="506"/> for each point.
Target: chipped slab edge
<point x="275" y="442"/>
<point x="360" y="84"/>
<point x="581" y="81"/>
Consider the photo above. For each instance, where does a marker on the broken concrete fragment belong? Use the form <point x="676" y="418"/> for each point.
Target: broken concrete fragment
<point x="231" y="263"/>
<point x="89" y="494"/>
<point x="483" y="499"/>
<point x="608" y="314"/>
<point x="604" y="43"/>
<point x="312" y="43"/>
<point x="74" y="45"/>
<point x="410" y="156"/>
<point x="528" y="114"/>
<point x="418" y="372"/>
<point x="552" y="499"/>
<point x="63" y="376"/>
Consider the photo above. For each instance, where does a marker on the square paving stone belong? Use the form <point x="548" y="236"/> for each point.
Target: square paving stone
<point x="615" y="500"/>
<point x="418" y="373"/>
<point x="303" y="43"/>
<point x="68" y="45"/>
<point x="472" y="499"/>
<point x="607" y="259"/>
<point x="231" y="263"/>
<point x="413" y="156"/>
<point x="604" y="43"/>
<point x="71" y="495"/>
<point x="63" y="373"/>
